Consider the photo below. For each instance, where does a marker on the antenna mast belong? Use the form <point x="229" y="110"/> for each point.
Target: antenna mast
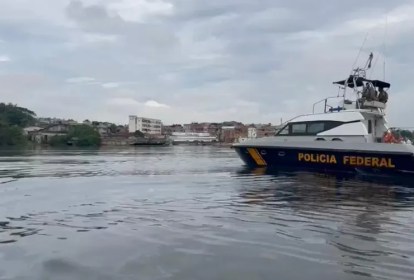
<point x="384" y="45"/>
<point x="359" y="52"/>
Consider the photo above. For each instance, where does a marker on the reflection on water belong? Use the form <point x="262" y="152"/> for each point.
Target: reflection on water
<point x="195" y="213"/>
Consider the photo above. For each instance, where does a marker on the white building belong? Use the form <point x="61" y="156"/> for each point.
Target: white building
<point x="192" y="137"/>
<point x="31" y="129"/>
<point x="145" y="125"/>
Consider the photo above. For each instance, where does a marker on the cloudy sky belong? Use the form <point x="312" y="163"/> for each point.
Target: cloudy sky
<point x="194" y="60"/>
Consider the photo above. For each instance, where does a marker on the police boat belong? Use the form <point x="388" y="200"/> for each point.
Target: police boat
<point x="353" y="136"/>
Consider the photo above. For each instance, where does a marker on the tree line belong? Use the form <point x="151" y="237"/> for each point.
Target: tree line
<point x="12" y="121"/>
<point x="79" y="135"/>
<point x="14" y="118"/>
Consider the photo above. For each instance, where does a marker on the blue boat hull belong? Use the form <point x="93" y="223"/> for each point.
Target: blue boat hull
<point x="322" y="160"/>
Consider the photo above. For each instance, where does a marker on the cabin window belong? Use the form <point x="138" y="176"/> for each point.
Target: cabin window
<point x="332" y="124"/>
<point x="369" y="126"/>
<point x="308" y="128"/>
<point x="314" y="128"/>
<point x="299" y="128"/>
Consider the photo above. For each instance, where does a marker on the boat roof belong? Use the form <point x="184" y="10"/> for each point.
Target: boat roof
<point x="359" y="82"/>
<point x="344" y="116"/>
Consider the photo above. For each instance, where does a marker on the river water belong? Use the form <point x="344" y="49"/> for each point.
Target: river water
<point x="195" y="213"/>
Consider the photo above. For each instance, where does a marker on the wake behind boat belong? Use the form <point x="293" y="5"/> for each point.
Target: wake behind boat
<point x="352" y="136"/>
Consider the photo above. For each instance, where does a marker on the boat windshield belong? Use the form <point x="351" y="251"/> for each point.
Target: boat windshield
<point x="284" y="131"/>
<point x="308" y="127"/>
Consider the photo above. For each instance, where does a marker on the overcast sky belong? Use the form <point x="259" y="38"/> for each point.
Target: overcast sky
<point x="194" y="60"/>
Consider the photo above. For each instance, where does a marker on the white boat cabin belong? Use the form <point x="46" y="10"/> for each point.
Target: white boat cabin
<point x="358" y="119"/>
<point x="347" y="125"/>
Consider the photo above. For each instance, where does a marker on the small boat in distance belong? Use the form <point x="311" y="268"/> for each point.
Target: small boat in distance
<point x="353" y="135"/>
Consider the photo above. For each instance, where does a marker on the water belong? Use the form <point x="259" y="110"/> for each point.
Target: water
<point x="195" y="213"/>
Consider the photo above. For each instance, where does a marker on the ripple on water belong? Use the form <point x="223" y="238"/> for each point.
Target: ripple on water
<point x="191" y="212"/>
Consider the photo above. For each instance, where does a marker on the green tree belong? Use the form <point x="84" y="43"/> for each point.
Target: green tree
<point x="12" y="119"/>
<point x="139" y="134"/>
<point x="14" y="115"/>
<point x="79" y="135"/>
<point x="84" y="135"/>
<point x="58" y="140"/>
<point x="113" y="128"/>
<point x="11" y="135"/>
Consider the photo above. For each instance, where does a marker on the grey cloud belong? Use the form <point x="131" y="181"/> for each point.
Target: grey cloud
<point x="194" y="11"/>
<point x="207" y="60"/>
<point x="96" y="19"/>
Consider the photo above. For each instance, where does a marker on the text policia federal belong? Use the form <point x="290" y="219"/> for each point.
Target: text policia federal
<point x="367" y="161"/>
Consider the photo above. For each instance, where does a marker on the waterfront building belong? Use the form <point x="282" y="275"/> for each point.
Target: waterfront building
<point x="192" y="137"/>
<point x="145" y="125"/>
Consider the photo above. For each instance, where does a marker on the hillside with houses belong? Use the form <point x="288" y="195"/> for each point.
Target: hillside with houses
<point x="21" y="126"/>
